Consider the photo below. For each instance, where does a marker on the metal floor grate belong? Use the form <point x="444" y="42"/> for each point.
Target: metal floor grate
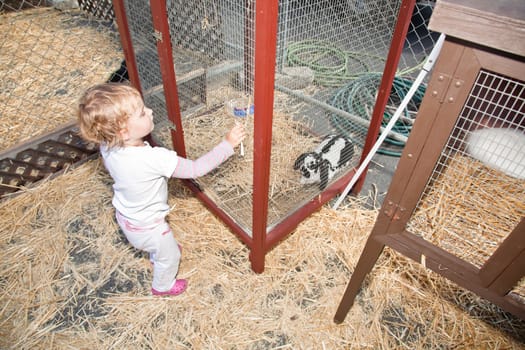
<point x="27" y="164"/>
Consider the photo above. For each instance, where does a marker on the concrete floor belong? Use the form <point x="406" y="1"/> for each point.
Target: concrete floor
<point x="378" y="179"/>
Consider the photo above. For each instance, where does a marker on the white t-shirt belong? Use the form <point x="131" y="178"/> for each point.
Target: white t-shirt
<point x="140" y="180"/>
<point x="141" y="174"/>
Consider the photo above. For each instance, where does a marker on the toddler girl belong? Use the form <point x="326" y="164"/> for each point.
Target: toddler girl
<point x="114" y="116"/>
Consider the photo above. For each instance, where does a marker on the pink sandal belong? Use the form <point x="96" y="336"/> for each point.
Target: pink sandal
<point x="178" y="288"/>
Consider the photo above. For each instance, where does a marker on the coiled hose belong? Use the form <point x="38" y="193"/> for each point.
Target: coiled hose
<point x="331" y="65"/>
<point x="356" y="93"/>
<point x="358" y="98"/>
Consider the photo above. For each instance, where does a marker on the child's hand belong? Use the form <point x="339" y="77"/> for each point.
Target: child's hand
<point x="236" y="135"/>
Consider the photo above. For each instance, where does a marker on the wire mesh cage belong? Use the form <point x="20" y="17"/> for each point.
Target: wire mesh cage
<point x="328" y="65"/>
<point x="329" y="58"/>
<point x="48" y="57"/>
<point x="456" y="203"/>
<point x="480" y="176"/>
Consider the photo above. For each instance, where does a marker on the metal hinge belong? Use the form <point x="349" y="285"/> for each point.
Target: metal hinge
<point x="393" y="210"/>
<point x="439" y="86"/>
<point x="444" y="88"/>
<point x="157" y="35"/>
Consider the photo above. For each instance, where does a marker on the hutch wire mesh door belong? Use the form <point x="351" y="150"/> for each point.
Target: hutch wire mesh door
<point x="456" y="203"/>
<point x="292" y="71"/>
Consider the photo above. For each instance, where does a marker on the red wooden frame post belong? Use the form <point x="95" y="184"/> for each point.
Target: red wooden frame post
<point x="167" y="70"/>
<point x="396" y="48"/>
<point x="265" y="54"/>
<point x="127" y="46"/>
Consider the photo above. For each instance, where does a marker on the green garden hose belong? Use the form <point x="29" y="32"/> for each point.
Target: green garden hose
<point x="356" y="90"/>
<point x="358" y="98"/>
<point x="330" y="64"/>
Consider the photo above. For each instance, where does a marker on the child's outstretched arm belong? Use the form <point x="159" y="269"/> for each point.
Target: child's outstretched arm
<point x="236" y="135"/>
<point x="192" y="169"/>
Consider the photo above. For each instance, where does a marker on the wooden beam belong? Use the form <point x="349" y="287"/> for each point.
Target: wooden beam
<point x="496" y="24"/>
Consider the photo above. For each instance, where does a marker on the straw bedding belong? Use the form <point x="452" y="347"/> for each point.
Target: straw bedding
<point x="481" y="205"/>
<point x="469" y="210"/>
<point x="231" y="186"/>
<point x="69" y="280"/>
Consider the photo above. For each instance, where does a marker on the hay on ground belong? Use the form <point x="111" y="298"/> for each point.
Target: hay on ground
<point x="469" y="210"/>
<point x="69" y="279"/>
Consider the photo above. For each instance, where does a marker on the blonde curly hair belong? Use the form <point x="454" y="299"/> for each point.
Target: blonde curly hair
<point x="104" y="110"/>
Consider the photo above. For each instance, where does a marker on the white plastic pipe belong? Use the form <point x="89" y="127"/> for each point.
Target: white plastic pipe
<point x="427" y="67"/>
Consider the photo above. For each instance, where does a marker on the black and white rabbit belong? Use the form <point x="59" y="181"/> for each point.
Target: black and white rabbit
<point x="320" y="165"/>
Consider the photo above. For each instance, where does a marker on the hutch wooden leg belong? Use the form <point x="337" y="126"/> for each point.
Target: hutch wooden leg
<point x="371" y="253"/>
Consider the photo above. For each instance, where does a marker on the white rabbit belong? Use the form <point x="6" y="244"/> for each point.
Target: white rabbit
<point x="499" y="148"/>
<point x="332" y="154"/>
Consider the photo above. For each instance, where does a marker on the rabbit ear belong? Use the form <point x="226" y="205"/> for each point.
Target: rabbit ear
<point x="324" y="167"/>
<point x="299" y="161"/>
<point x="347" y="153"/>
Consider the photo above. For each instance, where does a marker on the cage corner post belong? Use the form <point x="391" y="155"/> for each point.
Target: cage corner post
<point x="265" y="56"/>
<point x="162" y="37"/>
<point x="126" y="42"/>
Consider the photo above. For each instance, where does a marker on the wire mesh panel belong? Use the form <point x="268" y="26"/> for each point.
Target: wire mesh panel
<point x="48" y="58"/>
<point x="146" y="57"/>
<point x="217" y="39"/>
<point x="330" y="57"/>
<point x="102" y="9"/>
<point x="476" y="195"/>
